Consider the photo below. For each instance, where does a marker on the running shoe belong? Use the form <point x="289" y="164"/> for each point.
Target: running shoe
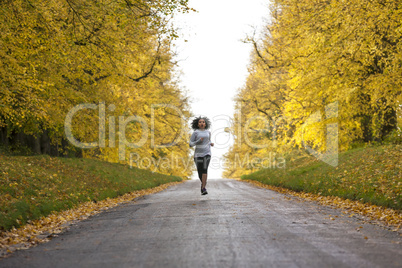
<point x="204" y="191"/>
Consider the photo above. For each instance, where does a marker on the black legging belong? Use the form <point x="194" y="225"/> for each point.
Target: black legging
<point x="202" y="164"/>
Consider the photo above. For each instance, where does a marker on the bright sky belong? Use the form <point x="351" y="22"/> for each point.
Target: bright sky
<point x="214" y="61"/>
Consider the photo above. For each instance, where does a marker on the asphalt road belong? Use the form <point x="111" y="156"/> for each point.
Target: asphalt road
<point x="235" y="225"/>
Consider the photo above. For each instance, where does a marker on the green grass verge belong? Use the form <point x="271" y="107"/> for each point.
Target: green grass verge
<point x="35" y="186"/>
<point x="371" y="175"/>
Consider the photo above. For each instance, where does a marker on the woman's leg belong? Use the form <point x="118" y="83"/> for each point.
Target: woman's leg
<point x="198" y="163"/>
<point x="204" y="180"/>
<point x="206" y="161"/>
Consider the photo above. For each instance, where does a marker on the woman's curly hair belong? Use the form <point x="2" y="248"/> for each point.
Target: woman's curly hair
<point x="194" y="124"/>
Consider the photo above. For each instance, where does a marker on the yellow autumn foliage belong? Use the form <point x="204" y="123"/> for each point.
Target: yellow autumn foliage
<point x="57" y="54"/>
<point x="320" y="64"/>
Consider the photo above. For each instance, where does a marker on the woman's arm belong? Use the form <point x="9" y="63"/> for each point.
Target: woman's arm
<point x="193" y="139"/>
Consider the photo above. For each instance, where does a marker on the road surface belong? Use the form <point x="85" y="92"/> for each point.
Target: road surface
<point x="235" y="225"/>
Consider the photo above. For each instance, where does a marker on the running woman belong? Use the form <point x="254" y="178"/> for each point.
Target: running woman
<point x="201" y="139"/>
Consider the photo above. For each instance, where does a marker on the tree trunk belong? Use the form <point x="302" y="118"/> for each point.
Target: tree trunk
<point x="3" y="136"/>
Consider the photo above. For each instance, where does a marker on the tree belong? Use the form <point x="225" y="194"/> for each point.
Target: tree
<point x="314" y="54"/>
<point x="60" y="53"/>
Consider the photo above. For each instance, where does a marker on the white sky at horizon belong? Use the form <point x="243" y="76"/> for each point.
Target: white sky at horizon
<point x="213" y="62"/>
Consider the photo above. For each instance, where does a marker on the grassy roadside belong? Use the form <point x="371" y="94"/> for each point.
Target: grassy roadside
<point x="371" y="175"/>
<point x="36" y="186"/>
